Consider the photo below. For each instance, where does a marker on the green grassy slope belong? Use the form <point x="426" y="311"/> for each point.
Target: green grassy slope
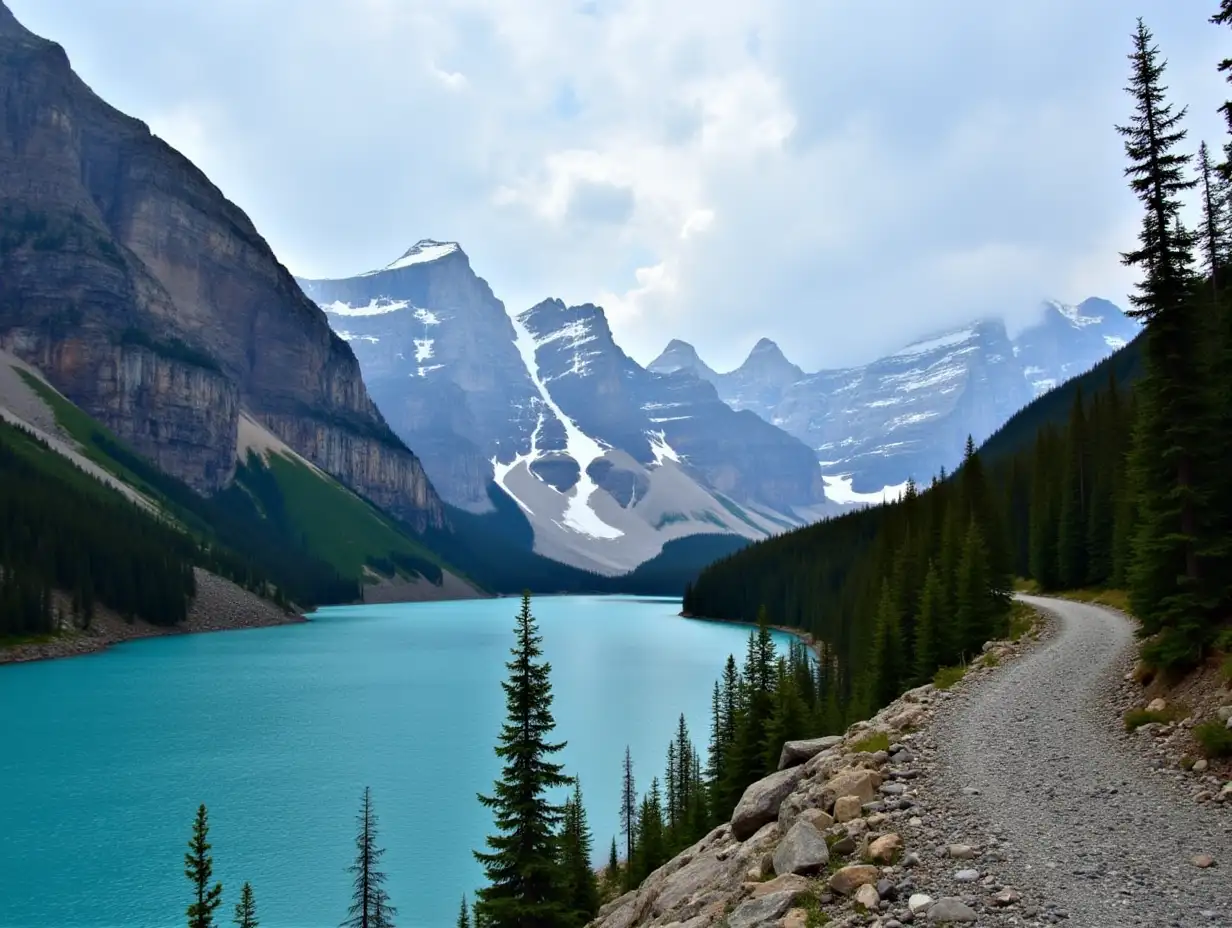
<point x="311" y="535"/>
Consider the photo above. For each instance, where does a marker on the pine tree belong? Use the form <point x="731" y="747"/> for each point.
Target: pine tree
<point x="464" y="918"/>
<point x="1213" y="234"/>
<point x="788" y="717"/>
<point x="370" y="906"/>
<point x="523" y="874"/>
<point x="1072" y="529"/>
<point x="628" y="806"/>
<point x="581" y="888"/>
<point x="650" y="851"/>
<point x="976" y="611"/>
<point x="1165" y="574"/>
<point x="887" y="660"/>
<point x="246" y="909"/>
<point x="927" y="629"/>
<point x="199" y="868"/>
<point x="612" y="874"/>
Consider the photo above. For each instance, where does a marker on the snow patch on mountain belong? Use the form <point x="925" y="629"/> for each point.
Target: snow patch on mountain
<point x="421" y="252"/>
<point x="661" y="449"/>
<point x="352" y="337"/>
<point x="839" y="490"/>
<point x="1074" y="314"/>
<point x="936" y="341"/>
<point x="584" y="450"/>
<point x="375" y="307"/>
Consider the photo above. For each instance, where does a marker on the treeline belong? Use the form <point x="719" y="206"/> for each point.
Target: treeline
<point x="91" y="544"/>
<point x="755" y="708"/>
<point x="1135" y="489"/>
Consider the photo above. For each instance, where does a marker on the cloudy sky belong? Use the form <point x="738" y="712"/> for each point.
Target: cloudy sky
<point x="838" y="175"/>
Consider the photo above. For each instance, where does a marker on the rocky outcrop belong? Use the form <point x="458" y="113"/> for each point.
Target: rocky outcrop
<point x="152" y="302"/>
<point x="784" y="859"/>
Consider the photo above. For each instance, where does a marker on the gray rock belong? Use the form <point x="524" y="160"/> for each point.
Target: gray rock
<point x="797" y="752"/>
<point x="950" y="909"/>
<point x="754" y="913"/>
<point x="760" y="802"/>
<point x="967" y="876"/>
<point x="803" y="850"/>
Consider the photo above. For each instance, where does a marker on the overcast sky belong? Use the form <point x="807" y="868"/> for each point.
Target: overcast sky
<point x="839" y="175"/>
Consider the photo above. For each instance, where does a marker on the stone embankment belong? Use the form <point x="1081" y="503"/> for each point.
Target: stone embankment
<point x="886" y="826"/>
<point x="220" y="605"/>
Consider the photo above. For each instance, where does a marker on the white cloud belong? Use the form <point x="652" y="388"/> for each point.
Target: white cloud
<point x="838" y="176"/>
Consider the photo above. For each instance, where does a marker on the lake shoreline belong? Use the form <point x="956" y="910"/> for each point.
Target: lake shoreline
<point x="220" y="606"/>
<point x="803" y="637"/>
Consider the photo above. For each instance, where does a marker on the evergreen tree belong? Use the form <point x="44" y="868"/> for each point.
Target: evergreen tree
<point x="1165" y="574"/>
<point x="788" y="717"/>
<point x="581" y="888"/>
<point x="887" y="662"/>
<point x="650" y="850"/>
<point x="523" y="874"/>
<point x="628" y="806"/>
<point x="1213" y="237"/>
<point x="927" y="631"/>
<point x="370" y="907"/>
<point x="199" y="868"/>
<point x="464" y="918"/>
<point x="246" y="909"/>
<point x="1072" y="531"/>
<point x="976" y="612"/>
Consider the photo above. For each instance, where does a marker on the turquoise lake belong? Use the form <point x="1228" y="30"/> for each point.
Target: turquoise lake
<point x="104" y="759"/>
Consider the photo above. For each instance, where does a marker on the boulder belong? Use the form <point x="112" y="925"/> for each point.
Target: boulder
<point x="796" y="918"/>
<point x="1224" y="713"/>
<point x="803" y="850"/>
<point x="788" y="882"/>
<point x="1007" y="896"/>
<point x="797" y="752"/>
<point x="868" y="897"/>
<point x="918" y="903"/>
<point x="950" y="909"/>
<point x="818" y="819"/>
<point x="847" y="880"/>
<point x="761" y="911"/>
<point x="885" y="850"/>
<point x="1157" y="705"/>
<point x="851" y="781"/>
<point x="847" y="808"/>
<point x="695" y="876"/>
<point x="760" y="802"/>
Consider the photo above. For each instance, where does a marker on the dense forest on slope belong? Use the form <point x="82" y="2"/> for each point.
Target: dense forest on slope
<point x="62" y="530"/>
<point x="1130" y="485"/>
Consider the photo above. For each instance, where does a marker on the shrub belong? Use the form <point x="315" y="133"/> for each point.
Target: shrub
<point x="946" y="677"/>
<point x="1214" y="738"/>
<point x="878" y="741"/>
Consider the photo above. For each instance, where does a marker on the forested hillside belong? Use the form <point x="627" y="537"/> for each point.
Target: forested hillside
<point x="1120" y="477"/>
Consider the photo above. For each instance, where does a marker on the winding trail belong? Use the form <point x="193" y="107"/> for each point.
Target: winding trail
<point x="1083" y="822"/>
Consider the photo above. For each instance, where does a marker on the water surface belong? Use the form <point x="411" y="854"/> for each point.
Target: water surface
<point x="103" y="759"/>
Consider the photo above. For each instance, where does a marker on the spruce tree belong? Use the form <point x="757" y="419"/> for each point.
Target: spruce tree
<point x="628" y="806"/>
<point x="1165" y="574"/>
<point x="976" y="610"/>
<point x="199" y="868"/>
<point x="246" y="909"/>
<point x="370" y="907"/>
<point x="581" y="888"/>
<point x="464" y="917"/>
<point x="927" y="629"/>
<point x="1072" y="527"/>
<point x="887" y="660"/>
<point x="521" y="866"/>
<point x="1213" y="233"/>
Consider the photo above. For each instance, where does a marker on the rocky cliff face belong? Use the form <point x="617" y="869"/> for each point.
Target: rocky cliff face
<point x="150" y="300"/>
<point x="438" y="355"/>
<point x="608" y="460"/>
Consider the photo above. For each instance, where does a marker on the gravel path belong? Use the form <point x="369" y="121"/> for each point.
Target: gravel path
<point x="1080" y="822"/>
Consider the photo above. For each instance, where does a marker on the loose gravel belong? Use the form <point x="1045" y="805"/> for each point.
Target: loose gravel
<point x="1027" y="767"/>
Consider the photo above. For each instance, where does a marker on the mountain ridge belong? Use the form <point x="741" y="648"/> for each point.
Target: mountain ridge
<point x="904" y="414"/>
<point x="170" y="291"/>
<point x="543" y="404"/>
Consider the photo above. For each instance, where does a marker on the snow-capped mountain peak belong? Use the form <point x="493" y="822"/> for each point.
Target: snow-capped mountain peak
<point x="680" y="356"/>
<point x="422" y="252"/>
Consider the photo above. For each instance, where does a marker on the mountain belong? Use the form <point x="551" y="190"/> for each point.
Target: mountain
<point x="607" y="461"/>
<point x="908" y="414"/>
<point x="150" y="300"/>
